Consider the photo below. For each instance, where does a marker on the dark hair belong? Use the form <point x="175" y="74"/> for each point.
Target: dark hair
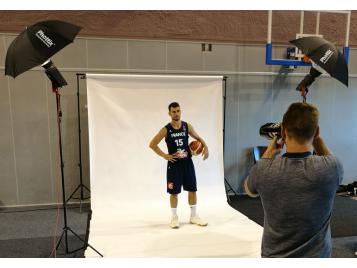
<point x="301" y="121"/>
<point x="173" y="105"/>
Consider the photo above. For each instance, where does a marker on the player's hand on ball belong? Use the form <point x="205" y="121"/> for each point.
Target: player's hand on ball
<point x="205" y="152"/>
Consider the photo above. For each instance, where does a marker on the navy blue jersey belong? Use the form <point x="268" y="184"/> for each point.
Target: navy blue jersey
<point x="177" y="140"/>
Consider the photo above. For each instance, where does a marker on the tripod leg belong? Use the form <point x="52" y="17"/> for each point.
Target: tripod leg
<point x="86" y="188"/>
<point x="230" y="187"/>
<point x="66" y="239"/>
<point x="85" y="243"/>
<point x="70" y="197"/>
<point x="59" y="241"/>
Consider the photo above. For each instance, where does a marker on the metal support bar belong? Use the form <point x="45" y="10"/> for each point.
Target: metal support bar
<point x="333" y="11"/>
<point x="270" y="21"/>
<point x="317" y="23"/>
<point x="348" y="28"/>
<point x="301" y="22"/>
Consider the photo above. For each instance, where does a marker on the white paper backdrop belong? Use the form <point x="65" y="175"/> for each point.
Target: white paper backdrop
<point x="128" y="180"/>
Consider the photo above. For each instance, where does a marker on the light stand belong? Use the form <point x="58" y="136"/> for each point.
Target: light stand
<point x="81" y="186"/>
<point x="307" y="81"/>
<point x="57" y="82"/>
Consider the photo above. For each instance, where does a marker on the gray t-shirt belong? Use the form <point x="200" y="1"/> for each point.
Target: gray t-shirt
<point x="297" y="192"/>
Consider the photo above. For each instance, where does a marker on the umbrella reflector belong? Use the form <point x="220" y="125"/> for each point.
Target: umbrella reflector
<point x="325" y="55"/>
<point x="37" y="44"/>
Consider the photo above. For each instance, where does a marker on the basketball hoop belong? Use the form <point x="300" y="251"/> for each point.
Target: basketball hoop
<point x="296" y="59"/>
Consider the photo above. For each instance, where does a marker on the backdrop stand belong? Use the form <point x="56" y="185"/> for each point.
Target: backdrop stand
<point x="81" y="187"/>
<point x="228" y="187"/>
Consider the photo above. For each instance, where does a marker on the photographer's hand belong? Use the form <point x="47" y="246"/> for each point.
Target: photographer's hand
<point x="320" y="146"/>
<point x="273" y="149"/>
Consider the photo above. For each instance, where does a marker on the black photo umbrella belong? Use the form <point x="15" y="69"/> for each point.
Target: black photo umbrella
<point x="325" y="55"/>
<point x="35" y="45"/>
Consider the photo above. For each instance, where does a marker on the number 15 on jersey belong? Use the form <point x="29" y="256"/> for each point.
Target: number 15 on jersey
<point x="179" y="142"/>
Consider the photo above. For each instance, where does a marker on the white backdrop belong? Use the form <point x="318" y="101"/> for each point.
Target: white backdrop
<point x="130" y="205"/>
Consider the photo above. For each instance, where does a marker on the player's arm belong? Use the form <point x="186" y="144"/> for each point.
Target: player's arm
<point x="154" y="145"/>
<point x="193" y="134"/>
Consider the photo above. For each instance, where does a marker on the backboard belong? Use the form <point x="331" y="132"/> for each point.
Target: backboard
<point x="296" y="57"/>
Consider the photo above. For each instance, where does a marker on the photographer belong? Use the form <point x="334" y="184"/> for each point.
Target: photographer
<point x="297" y="189"/>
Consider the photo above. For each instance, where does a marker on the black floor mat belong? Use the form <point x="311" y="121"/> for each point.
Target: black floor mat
<point x="343" y="222"/>
<point x="39" y="248"/>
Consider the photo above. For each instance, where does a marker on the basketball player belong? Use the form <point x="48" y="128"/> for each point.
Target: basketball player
<point x="180" y="169"/>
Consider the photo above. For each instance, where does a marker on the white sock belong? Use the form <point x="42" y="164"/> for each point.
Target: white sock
<point x="193" y="210"/>
<point x="174" y="212"/>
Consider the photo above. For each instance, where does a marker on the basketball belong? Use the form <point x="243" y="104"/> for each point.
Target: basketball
<point x="196" y="147"/>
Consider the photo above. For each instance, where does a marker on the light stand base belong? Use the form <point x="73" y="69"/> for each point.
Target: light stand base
<point x="65" y="235"/>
